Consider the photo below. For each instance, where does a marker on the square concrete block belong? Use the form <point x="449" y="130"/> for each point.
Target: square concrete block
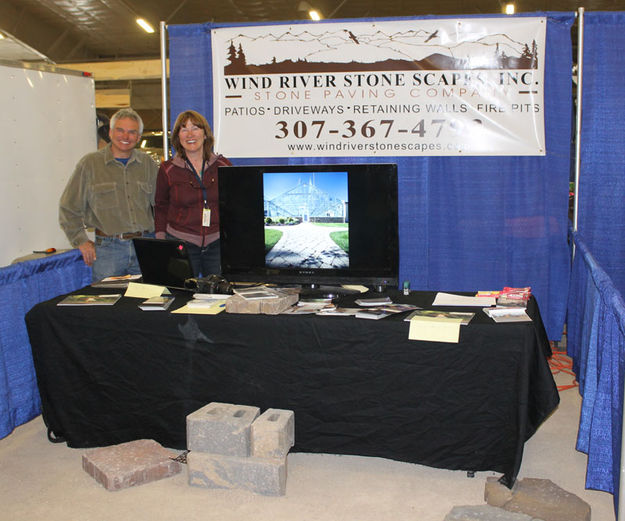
<point x="265" y="476"/>
<point x="221" y="428"/>
<point x="130" y="464"/>
<point x="273" y="433"/>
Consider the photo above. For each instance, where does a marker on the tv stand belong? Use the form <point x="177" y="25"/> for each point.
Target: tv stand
<point x="322" y="291"/>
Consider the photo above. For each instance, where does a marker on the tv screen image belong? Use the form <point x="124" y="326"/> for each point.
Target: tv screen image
<point x="309" y="224"/>
<point x="306" y="220"/>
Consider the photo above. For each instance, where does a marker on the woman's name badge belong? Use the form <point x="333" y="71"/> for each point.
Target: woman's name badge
<point x="206" y="217"/>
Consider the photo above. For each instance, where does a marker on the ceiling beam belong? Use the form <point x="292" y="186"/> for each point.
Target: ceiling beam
<point x="120" y="70"/>
<point x="112" y="98"/>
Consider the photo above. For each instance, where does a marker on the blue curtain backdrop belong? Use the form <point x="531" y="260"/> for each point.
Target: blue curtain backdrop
<point x="596" y="342"/>
<point x="23" y="285"/>
<point x="601" y="188"/>
<point x="596" y="320"/>
<point x="465" y="224"/>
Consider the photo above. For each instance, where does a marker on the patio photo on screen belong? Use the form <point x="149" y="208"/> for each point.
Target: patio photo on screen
<point x="306" y="220"/>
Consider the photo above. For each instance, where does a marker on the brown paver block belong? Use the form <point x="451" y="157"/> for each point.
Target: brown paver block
<point x="130" y="464"/>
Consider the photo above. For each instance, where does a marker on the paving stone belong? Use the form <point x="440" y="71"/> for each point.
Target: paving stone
<point x="265" y="476"/>
<point x="221" y="428"/>
<point x="484" y="513"/>
<point x="130" y="464"/>
<point x="273" y="433"/>
<point x="540" y="498"/>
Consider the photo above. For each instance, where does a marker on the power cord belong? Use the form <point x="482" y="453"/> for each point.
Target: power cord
<point x="560" y="362"/>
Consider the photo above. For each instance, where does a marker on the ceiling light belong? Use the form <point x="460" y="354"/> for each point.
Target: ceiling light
<point x="145" y="25"/>
<point x="313" y="13"/>
<point x="509" y="9"/>
<point x="1" y="36"/>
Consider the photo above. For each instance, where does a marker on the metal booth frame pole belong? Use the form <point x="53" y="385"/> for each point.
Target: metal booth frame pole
<point x="165" y="124"/>
<point x="578" y="115"/>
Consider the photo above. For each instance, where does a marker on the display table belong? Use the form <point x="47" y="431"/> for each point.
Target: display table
<point x="112" y="374"/>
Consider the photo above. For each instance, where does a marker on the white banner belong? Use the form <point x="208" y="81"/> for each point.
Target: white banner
<point x="393" y="88"/>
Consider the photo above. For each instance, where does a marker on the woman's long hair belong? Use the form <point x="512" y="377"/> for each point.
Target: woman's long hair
<point x="197" y="119"/>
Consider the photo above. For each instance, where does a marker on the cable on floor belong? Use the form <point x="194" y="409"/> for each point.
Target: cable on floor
<point x="560" y="362"/>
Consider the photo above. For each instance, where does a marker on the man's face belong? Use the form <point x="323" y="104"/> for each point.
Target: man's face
<point x="124" y="136"/>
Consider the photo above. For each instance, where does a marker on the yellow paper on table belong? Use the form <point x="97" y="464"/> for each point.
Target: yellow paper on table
<point x="139" y="290"/>
<point x="358" y="287"/>
<point x="213" y="309"/>
<point x="433" y="330"/>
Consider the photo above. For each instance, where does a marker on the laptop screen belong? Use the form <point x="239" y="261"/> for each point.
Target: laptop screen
<point x="163" y="262"/>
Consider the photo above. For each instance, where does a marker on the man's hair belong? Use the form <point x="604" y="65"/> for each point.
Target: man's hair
<point x="127" y="113"/>
<point x="197" y="119"/>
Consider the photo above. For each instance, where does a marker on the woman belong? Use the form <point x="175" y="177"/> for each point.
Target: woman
<point x="186" y="201"/>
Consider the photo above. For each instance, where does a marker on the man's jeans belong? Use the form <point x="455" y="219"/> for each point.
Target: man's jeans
<point x="114" y="257"/>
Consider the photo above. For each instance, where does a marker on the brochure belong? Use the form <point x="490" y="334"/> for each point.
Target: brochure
<point x="334" y="311"/>
<point x="508" y="314"/>
<point x="373" y="313"/>
<point x="160" y="303"/>
<point x="119" y="281"/>
<point x="462" y="318"/>
<point x="90" y="300"/>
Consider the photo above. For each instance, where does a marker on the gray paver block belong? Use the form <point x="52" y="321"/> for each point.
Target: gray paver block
<point x="496" y="494"/>
<point x="221" y="428"/>
<point x="484" y="513"/>
<point x="130" y="464"/>
<point x="540" y="499"/>
<point x="273" y="433"/>
<point x="545" y="500"/>
<point x="265" y="476"/>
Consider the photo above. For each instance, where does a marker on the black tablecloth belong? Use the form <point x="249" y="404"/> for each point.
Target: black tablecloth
<point x="108" y="375"/>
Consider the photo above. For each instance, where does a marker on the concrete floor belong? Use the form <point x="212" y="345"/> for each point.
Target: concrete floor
<point x="43" y="481"/>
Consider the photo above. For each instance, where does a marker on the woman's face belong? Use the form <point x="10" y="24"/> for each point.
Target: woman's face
<point x="191" y="137"/>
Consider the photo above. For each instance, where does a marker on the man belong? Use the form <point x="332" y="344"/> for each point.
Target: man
<point x="112" y="191"/>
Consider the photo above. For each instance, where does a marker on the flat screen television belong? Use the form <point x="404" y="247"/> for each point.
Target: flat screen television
<point x="314" y="225"/>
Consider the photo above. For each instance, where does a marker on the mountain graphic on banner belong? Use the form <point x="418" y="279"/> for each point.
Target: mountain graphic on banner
<point x="343" y="51"/>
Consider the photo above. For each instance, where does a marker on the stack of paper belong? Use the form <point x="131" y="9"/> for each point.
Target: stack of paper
<point x="206" y="300"/>
<point x="450" y="299"/>
<point x="204" y="304"/>
<point x="377" y="301"/>
<point x="334" y="311"/>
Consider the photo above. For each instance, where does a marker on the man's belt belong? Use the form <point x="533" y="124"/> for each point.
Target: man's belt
<point x="126" y="236"/>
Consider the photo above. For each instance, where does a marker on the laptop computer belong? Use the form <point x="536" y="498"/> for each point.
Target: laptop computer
<point x="163" y="262"/>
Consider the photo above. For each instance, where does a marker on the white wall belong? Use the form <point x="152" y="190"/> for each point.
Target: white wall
<point x="47" y="123"/>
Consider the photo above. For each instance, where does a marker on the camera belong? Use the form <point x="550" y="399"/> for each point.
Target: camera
<point x="210" y="284"/>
